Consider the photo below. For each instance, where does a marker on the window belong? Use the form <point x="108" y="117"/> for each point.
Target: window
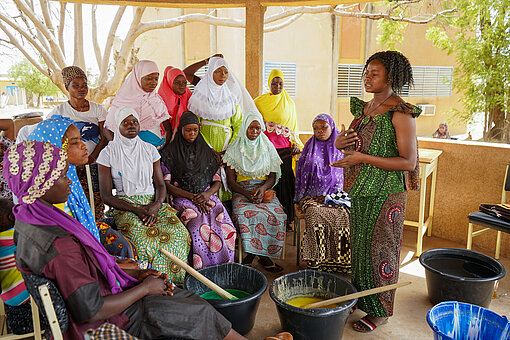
<point x="200" y="73"/>
<point x="429" y="81"/>
<point x="289" y="73"/>
<point x="349" y="82"/>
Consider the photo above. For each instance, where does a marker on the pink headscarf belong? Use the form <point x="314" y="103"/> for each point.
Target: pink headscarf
<point x="149" y="105"/>
<point x="176" y="104"/>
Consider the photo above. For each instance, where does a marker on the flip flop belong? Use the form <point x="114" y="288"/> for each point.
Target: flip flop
<point x="366" y="325"/>
<point x="281" y="336"/>
<point x="274" y="268"/>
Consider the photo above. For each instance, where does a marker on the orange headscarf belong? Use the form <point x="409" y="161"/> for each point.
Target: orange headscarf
<point x="176" y="104"/>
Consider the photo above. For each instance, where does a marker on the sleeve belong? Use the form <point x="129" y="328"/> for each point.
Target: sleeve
<point x="154" y="154"/>
<point x="72" y="274"/>
<point x="101" y="113"/>
<point x="236" y="122"/>
<point x="104" y="158"/>
<point x="53" y="112"/>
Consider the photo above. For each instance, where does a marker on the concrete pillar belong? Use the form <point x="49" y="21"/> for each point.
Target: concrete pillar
<point x="254" y="45"/>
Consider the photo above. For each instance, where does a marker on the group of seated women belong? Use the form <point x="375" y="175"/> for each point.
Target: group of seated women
<point x="203" y="150"/>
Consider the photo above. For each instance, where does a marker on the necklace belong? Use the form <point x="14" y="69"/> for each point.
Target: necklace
<point x="370" y="110"/>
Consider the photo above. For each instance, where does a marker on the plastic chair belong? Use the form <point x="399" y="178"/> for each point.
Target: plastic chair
<point x="490" y="222"/>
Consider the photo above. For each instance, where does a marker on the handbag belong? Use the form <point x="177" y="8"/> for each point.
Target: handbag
<point x="501" y="211"/>
<point x="268" y="196"/>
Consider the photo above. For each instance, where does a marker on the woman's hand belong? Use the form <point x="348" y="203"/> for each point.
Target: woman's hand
<point x="257" y="195"/>
<point x="345" y="138"/>
<point x="144" y="215"/>
<point x="295" y="150"/>
<point x="350" y="158"/>
<point x="157" y="285"/>
<point x="201" y="197"/>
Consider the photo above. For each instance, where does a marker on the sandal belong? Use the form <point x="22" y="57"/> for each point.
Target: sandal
<point x="365" y="325"/>
<point x="273" y="268"/>
<point x="281" y="336"/>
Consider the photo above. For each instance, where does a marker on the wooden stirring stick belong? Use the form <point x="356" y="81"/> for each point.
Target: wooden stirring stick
<point x="356" y="295"/>
<point x="214" y="287"/>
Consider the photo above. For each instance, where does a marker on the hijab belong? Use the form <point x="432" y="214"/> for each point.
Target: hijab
<point x="314" y="175"/>
<point x="191" y="165"/>
<point x="53" y="130"/>
<point x="175" y="104"/>
<point x="253" y="158"/>
<point x="31" y="169"/>
<point x="149" y="106"/>
<point x="444" y="135"/>
<point x="278" y="108"/>
<point x="132" y="156"/>
<point x="213" y="101"/>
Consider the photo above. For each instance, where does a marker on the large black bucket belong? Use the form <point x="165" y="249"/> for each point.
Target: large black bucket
<point x="461" y="275"/>
<point x="316" y="324"/>
<point x="241" y="313"/>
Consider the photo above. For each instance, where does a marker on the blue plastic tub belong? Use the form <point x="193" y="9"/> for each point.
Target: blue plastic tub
<point x="452" y="320"/>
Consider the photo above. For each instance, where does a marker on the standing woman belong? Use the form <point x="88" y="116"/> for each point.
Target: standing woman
<point x="280" y="118"/>
<point x="139" y="93"/>
<point x="380" y="146"/>
<point x="326" y="244"/>
<point x="175" y="94"/>
<point x="193" y="182"/>
<point x="89" y="118"/>
<point x="134" y="167"/>
<point x="253" y="168"/>
<point x="218" y="108"/>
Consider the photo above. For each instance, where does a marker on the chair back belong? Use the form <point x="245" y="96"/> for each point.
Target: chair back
<point x="32" y="283"/>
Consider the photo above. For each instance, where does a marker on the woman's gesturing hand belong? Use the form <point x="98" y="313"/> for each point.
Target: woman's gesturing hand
<point x="350" y="158"/>
<point x="345" y="138"/>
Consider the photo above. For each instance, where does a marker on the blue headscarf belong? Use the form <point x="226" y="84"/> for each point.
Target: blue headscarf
<point x="52" y="130"/>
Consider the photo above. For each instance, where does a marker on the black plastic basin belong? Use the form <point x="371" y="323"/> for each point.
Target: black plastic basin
<point x="316" y="324"/>
<point x="461" y="275"/>
<point x="241" y="313"/>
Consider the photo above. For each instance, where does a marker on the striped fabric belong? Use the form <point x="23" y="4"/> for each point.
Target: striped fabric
<point x="14" y="292"/>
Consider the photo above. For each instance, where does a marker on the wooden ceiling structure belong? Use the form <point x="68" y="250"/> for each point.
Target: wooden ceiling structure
<point x="254" y="34"/>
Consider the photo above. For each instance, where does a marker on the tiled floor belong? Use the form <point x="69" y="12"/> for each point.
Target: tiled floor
<point x="412" y="302"/>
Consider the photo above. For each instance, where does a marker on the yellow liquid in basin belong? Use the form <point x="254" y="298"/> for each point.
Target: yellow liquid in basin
<point x="303" y="301"/>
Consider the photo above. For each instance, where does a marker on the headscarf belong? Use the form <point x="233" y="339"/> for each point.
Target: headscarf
<point x="131" y="156"/>
<point x="70" y="73"/>
<point x="213" y="101"/>
<point x="176" y="104"/>
<point x="444" y="135"/>
<point x="279" y="108"/>
<point x="253" y="158"/>
<point x="31" y="169"/>
<point x="191" y="165"/>
<point x="53" y="130"/>
<point x="314" y="175"/>
<point x="149" y="105"/>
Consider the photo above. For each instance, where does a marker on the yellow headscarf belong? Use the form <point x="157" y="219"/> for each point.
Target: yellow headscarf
<point x="279" y="108"/>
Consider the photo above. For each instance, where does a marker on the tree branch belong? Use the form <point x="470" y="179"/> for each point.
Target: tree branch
<point x="61" y="25"/>
<point x="387" y="16"/>
<point x="103" y="68"/>
<point x="97" y="51"/>
<point x="283" y="24"/>
<point x="79" y="55"/>
<point x="297" y="10"/>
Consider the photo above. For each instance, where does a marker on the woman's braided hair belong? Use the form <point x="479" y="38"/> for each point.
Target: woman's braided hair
<point x="399" y="69"/>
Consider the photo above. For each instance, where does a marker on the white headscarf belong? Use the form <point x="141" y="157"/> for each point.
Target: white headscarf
<point x="213" y="101"/>
<point x="132" y="156"/>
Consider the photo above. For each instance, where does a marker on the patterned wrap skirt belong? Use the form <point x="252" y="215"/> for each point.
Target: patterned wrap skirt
<point x="327" y="238"/>
<point x="168" y="233"/>
<point x="213" y="235"/>
<point x="262" y="225"/>
<point x="376" y="236"/>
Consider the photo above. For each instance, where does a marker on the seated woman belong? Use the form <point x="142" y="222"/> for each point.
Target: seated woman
<point x="139" y="93"/>
<point x="139" y="212"/>
<point x="253" y="167"/>
<point x="193" y="182"/>
<point x="53" y="244"/>
<point x="61" y="132"/>
<point x="6" y="140"/>
<point x="327" y="235"/>
<point x="89" y="118"/>
<point x="175" y="94"/>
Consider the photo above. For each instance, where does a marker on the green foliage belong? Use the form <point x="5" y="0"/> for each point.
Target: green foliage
<point x="481" y="45"/>
<point x="33" y="81"/>
<point x="392" y="32"/>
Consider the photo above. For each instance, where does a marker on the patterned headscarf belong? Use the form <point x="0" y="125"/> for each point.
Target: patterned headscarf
<point x="53" y="130"/>
<point x="253" y="158"/>
<point x="31" y="169"/>
<point x="314" y="175"/>
<point x="70" y="73"/>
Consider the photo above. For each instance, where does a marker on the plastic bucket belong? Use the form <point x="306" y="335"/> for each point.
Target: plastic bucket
<point x="463" y="321"/>
<point x="461" y="275"/>
<point x="316" y="324"/>
<point x="241" y="313"/>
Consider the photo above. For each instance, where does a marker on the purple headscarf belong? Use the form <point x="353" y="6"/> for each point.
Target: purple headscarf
<point x="314" y="176"/>
<point x="31" y="168"/>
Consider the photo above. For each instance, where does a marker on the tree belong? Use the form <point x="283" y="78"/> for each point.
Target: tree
<point x="29" y="26"/>
<point x="33" y="81"/>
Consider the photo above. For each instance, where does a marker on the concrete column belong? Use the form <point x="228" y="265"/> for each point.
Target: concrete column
<point x="254" y="45"/>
